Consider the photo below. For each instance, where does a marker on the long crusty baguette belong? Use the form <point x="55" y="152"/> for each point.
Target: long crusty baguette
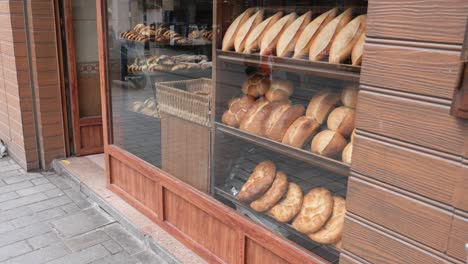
<point x="246" y="29"/>
<point x="320" y="46"/>
<point x="252" y="43"/>
<point x="231" y="32"/>
<point x="344" y="42"/>
<point x="358" y="50"/>
<point x="272" y="36"/>
<point x="288" y="39"/>
<point x="311" y="31"/>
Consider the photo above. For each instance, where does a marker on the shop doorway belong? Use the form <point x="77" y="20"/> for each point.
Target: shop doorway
<point x="82" y="70"/>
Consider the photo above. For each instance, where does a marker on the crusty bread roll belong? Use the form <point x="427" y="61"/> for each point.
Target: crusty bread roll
<point x="328" y="143"/>
<point x="347" y="153"/>
<point x="246" y="29"/>
<point x="281" y="119"/>
<point x="344" y="42"/>
<point x="273" y="195"/>
<point x="279" y="90"/>
<point x="271" y="37"/>
<point x="301" y="131"/>
<point x="231" y="32"/>
<point x="341" y="120"/>
<point x="252" y="43"/>
<point x="289" y="206"/>
<point x="358" y="50"/>
<point x="259" y="182"/>
<point x="237" y="108"/>
<point x="288" y="39"/>
<point x="349" y="97"/>
<point x="311" y="31"/>
<point x="333" y="230"/>
<point x="321" y="105"/>
<point x="256" y="85"/>
<point x="254" y="119"/>
<point x="317" y="207"/>
<point x="320" y="46"/>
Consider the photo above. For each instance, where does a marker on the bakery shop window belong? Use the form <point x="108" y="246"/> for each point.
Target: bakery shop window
<point x="287" y="80"/>
<point x="160" y="80"/>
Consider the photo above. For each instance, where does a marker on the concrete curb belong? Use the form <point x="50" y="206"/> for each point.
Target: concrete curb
<point x="78" y="185"/>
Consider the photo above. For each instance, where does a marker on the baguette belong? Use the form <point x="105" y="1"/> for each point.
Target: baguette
<point x="320" y="46"/>
<point x="272" y="36"/>
<point x="231" y="32"/>
<point x="252" y="43"/>
<point x="358" y="50"/>
<point x="246" y="29"/>
<point x="288" y="39"/>
<point x="344" y="42"/>
<point x="311" y="31"/>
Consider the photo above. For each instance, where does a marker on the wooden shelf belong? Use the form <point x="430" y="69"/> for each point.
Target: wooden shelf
<point x="325" y="251"/>
<point x="318" y="68"/>
<point x="299" y="154"/>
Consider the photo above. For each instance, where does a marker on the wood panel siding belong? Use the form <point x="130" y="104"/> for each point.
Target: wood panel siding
<point x="458" y="237"/>
<point x="461" y="196"/>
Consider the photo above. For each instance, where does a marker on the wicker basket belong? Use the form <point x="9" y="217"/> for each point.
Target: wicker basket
<point x="189" y="100"/>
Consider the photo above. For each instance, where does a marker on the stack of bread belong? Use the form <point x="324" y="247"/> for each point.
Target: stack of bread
<point x="170" y="63"/>
<point x="139" y="33"/>
<point x="328" y="35"/>
<point x="265" y="110"/>
<point x="147" y="107"/>
<point x="318" y="214"/>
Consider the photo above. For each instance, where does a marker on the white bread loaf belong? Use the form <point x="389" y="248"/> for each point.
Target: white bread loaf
<point x="311" y="31"/>
<point x="328" y="143"/>
<point x="358" y="50"/>
<point x="231" y="32"/>
<point x="271" y="37"/>
<point x="320" y="46"/>
<point x="344" y="42"/>
<point x="246" y="29"/>
<point x="288" y="39"/>
<point x="252" y="43"/>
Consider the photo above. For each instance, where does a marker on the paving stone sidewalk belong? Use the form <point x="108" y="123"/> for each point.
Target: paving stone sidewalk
<point x="44" y="220"/>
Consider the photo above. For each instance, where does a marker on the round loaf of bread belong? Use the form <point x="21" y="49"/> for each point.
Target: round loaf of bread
<point x="271" y="37"/>
<point x="254" y="39"/>
<point x="349" y="97"/>
<point x="328" y="143"/>
<point x="280" y="119"/>
<point x="259" y="182"/>
<point x="231" y="32"/>
<point x="244" y="31"/>
<point x="347" y="153"/>
<point x="333" y="230"/>
<point x="238" y="107"/>
<point x="288" y="39"/>
<point x="301" y="131"/>
<point x="254" y="120"/>
<point x="273" y="195"/>
<point x="317" y="208"/>
<point x="321" y="105"/>
<point x="344" y="42"/>
<point x="256" y="85"/>
<point x="341" y="120"/>
<point x="279" y="90"/>
<point x="289" y="206"/>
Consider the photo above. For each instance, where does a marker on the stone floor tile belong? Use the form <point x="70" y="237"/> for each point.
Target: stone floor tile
<point x="47" y="204"/>
<point x="13" y="250"/>
<point x="147" y="257"/>
<point x="119" y="258"/>
<point x="41" y="256"/>
<point x="124" y="239"/>
<point x="8" y="196"/>
<point x="36" y="189"/>
<point x="112" y="246"/>
<point x="40" y="181"/>
<point x="15" y="213"/>
<point x="84" y="256"/>
<point x="24" y="233"/>
<point x="54" y="193"/>
<point x="77" y="198"/>
<point x="81" y="222"/>
<point x="80" y="242"/>
<point x="38" y="217"/>
<point x="5" y="227"/>
<point x="70" y="208"/>
<point x="21" y="178"/>
<point x="30" y="199"/>
<point x="43" y="240"/>
<point x="15" y="187"/>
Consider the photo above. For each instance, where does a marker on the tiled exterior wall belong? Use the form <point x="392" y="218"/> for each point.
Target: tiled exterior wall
<point x="18" y="79"/>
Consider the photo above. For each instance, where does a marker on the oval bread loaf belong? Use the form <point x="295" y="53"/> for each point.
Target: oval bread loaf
<point x="288" y="39"/>
<point x="273" y="195"/>
<point x="289" y="206"/>
<point x="279" y="90"/>
<point x="281" y="119"/>
<point x="346" y="39"/>
<point x="349" y="97"/>
<point x="246" y="29"/>
<point x="311" y="31"/>
<point x="231" y="32"/>
<point x="252" y="43"/>
<point x="271" y="37"/>
<point x="259" y="182"/>
<point x="256" y="85"/>
<point x="320" y="46"/>
<point x="328" y="143"/>
<point x="254" y="119"/>
<point x="301" y="131"/>
<point x="317" y="208"/>
<point x="358" y="50"/>
<point x="238" y="107"/>
<point x="333" y="230"/>
<point x="341" y="120"/>
<point x="321" y="105"/>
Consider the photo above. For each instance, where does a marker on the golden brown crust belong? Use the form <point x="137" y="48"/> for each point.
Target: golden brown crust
<point x="321" y="105"/>
<point x="349" y="97"/>
<point x="356" y="54"/>
<point x="255" y="38"/>
<point x="279" y="90"/>
<point x="281" y="119"/>
<point x="246" y="29"/>
<point x="231" y="32"/>
<point x="259" y="182"/>
<point x="254" y="119"/>
<point x="289" y="206"/>
<point x="256" y="85"/>
<point x="345" y="40"/>
<point x="328" y="143"/>
<point x="347" y="153"/>
<point x="288" y="39"/>
<point x="238" y="107"/>
<point x="333" y="230"/>
<point x="273" y="195"/>
<point x="301" y="131"/>
<point x="317" y="208"/>
<point x="341" y="120"/>
<point x="271" y="37"/>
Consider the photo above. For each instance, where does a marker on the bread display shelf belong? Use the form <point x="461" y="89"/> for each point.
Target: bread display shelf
<point x="155" y="44"/>
<point x="298" y="154"/>
<point x="318" y="68"/>
<point x="327" y="252"/>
